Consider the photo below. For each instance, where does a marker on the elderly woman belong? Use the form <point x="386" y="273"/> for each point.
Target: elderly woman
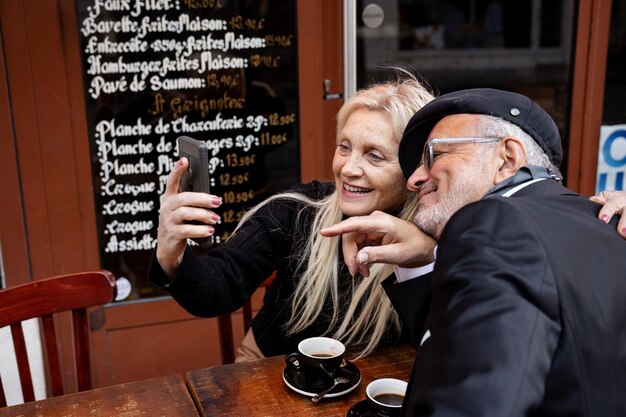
<point x="313" y="293"/>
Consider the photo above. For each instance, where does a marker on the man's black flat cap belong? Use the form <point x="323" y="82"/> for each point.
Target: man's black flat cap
<point x="512" y="107"/>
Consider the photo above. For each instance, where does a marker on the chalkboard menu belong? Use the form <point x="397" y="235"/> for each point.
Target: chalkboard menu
<point x="220" y="71"/>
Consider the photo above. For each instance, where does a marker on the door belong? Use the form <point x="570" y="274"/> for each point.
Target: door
<point x="612" y="144"/>
<point x="51" y="218"/>
<point x="12" y="238"/>
<point x="45" y="221"/>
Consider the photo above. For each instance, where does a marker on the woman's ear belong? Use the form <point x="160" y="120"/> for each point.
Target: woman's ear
<point x="511" y="157"/>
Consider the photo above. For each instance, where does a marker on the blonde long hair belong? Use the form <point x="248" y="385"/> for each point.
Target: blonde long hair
<point x="369" y="314"/>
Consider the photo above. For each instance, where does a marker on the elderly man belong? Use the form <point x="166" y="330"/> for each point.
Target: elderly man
<point x="528" y="312"/>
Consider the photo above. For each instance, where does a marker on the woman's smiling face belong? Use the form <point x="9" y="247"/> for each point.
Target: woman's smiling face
<point x="366" y="168"/>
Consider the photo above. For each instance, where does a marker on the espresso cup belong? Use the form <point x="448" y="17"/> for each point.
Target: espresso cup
<point x="386" y="396"/>
<point x="318" y="355"/>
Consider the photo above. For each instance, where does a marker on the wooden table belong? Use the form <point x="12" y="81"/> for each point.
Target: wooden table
<point x="166" y="396"/>
<point x="257" y="388"/>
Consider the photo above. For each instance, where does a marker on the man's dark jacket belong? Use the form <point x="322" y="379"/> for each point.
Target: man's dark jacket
<point x="528" y="315"/>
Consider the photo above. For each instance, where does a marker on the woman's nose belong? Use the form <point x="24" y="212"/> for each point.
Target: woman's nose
<point x="418" y="178"/>
<point x="352" y="167"/>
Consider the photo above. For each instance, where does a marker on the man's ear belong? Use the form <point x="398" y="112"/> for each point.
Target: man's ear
<point x="510" y="157"/>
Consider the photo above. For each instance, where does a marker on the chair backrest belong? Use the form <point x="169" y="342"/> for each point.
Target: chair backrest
<point x="43" y="298"/>
<point x="225" y="326"/>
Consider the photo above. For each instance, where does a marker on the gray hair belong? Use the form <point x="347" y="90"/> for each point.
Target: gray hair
<point x="495" y="127"/>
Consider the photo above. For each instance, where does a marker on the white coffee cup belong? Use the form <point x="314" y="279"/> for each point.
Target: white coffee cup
<point x="386" y="395"/>
<point x="318" y="353"/>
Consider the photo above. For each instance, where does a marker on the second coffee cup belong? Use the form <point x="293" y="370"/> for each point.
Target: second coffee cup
<point x="318" y="353"/>
<point x="386" y="395"/>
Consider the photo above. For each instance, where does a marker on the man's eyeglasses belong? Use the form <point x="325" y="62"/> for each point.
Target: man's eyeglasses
<point x="430" y="149"/>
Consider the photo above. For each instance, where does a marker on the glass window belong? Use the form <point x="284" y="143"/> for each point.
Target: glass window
<point x="524" y="46"/>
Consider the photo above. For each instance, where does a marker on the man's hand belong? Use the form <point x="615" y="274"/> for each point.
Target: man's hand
<point x="177" y="210"/>
<point x="613" y="204"/>
<point x="381" y="238"/>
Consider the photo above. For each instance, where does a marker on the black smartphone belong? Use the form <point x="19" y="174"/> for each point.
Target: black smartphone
<point x="196" y="178"/>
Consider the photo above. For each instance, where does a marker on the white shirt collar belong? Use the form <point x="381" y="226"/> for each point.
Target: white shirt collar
<point x="519" y="187"/>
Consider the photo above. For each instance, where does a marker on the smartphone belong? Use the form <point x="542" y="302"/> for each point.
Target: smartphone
<point x="196" y="178"/>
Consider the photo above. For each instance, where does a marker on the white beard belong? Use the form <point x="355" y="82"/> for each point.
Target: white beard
<point x="433" y="219"/>
<point x="466" y="190"/>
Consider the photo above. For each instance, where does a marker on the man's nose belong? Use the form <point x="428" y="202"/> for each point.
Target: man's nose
<point x="418" y="178"/>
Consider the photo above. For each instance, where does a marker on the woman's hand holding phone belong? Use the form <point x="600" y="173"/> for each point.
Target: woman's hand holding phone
<point x="177" y="210"/>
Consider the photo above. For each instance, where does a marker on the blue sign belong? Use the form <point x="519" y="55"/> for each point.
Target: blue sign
<point x="611" y="158"/>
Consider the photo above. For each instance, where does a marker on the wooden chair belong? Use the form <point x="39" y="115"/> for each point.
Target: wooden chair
<point x="42" y="299"/>
<point x="225" y="327"/>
